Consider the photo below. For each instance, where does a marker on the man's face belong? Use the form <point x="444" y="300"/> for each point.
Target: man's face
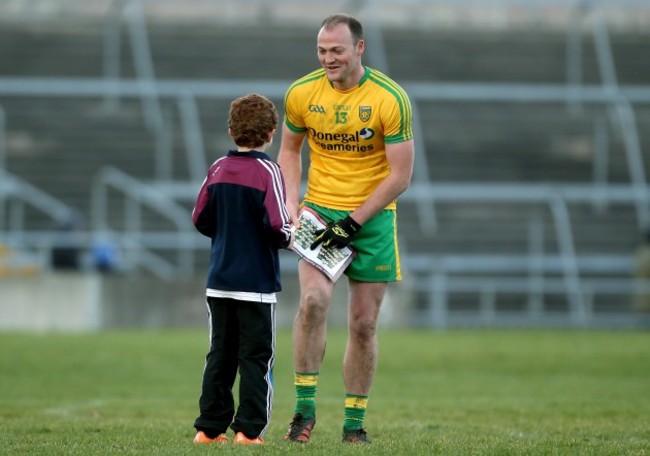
<point x="339" y="56"/>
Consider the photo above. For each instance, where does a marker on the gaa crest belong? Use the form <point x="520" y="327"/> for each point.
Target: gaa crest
<point x="364" y="113"/>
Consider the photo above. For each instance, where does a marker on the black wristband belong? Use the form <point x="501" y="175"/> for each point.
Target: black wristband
<point x="352" y="224"/>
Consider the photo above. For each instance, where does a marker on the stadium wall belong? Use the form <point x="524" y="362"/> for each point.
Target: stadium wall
<point x="72" y="301"/>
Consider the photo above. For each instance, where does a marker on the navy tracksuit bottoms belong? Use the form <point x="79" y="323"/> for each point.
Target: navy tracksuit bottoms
<point x="242" y="337"/>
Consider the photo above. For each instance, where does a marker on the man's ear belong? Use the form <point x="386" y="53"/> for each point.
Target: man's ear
<point x="361" y="46"/>
<point x="229" y="132"/>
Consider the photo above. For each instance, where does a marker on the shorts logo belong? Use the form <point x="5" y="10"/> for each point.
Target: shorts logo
<point x="365" y="113"/>
<point x="317" y="108"/>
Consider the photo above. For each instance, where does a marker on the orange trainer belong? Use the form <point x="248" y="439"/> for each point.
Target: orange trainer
<point x="241" y="439"/>
<point x="201" y="437"/>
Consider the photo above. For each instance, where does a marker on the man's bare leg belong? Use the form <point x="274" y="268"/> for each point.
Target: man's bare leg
<point x="309" y="340"/>
<point x="360" y="361"/>
<point x="310" y="324"/>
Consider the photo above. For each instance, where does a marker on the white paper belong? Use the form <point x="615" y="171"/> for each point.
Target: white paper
<point x="331" y="261"/>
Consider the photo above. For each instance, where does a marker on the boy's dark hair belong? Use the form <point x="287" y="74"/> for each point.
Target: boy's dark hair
<point x="251" y="119"/>
<point x="356" y="29"/>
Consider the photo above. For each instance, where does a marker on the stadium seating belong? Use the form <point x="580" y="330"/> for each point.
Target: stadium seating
<point x="60" y="144"/>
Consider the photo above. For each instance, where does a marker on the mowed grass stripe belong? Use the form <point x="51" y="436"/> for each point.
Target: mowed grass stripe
<point x="450" y="392"/>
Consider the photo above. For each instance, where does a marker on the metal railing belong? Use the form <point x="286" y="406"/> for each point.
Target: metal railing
<point x="556" y="198"/>
<point x="19" y="194"/>
<point x="441" y="286"/>
<point x="132" y="12"/>
<point x="621" y="112"/>
<point x="138" y="196"/>
<point x="16" y="196"/>
<point x="3" y="138"/>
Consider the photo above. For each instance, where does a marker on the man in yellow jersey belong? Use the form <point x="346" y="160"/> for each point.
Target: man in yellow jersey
<point x="358" y="125"/>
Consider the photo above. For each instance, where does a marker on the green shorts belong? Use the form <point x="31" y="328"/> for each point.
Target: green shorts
<point x="377" y="257"/>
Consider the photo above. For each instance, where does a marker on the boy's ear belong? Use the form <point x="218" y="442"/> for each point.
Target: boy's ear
<point x="229" y="133"/>
<point x="272" y="134"/>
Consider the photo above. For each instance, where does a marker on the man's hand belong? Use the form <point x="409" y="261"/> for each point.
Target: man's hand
<point x="337" y="234"/>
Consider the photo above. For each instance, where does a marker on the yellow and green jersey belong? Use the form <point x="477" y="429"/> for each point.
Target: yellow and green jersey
<point x="347" y="132"/>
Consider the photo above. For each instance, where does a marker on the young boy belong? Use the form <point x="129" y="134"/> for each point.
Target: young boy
<point x="241" y="208"/>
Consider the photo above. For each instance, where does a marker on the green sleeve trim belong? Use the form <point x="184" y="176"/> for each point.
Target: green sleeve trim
<point x="406" y="114"/>
<point x="294" y="128"/>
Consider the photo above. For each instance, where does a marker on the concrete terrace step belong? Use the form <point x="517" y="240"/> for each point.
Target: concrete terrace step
<point x="509" y="55"/>
<point x="60" y="144"/>
<point x="505" y="227"/>
<point x="206" y="51"/>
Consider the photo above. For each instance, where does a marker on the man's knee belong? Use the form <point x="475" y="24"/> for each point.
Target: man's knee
<point x="363" y="327"/>
<point x="314" y="303"/>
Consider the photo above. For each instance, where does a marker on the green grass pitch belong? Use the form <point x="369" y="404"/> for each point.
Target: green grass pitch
<point x="469" y="392"/>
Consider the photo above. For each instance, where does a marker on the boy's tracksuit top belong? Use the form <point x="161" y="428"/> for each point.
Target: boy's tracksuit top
<point x="241" y="208"/>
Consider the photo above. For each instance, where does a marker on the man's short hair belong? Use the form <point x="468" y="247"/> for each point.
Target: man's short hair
<point x="341" y="18"/>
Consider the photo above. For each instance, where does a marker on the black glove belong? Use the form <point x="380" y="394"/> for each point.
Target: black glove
<point x="337" y="234"/>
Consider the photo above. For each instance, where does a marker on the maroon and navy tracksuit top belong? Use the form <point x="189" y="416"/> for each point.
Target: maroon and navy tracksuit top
<point x="241" y="208"/>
